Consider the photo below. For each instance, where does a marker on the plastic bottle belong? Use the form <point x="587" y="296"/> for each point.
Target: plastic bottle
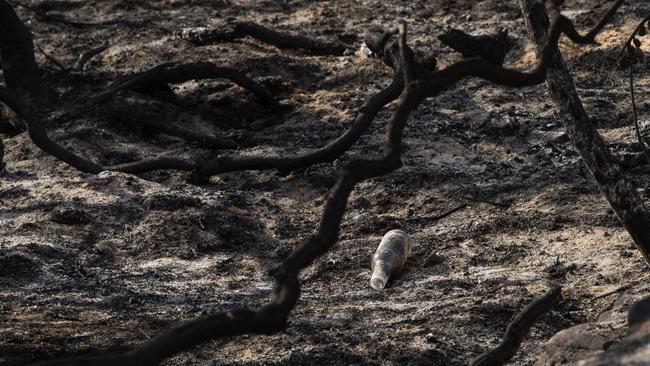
<point x="391" y="254"/>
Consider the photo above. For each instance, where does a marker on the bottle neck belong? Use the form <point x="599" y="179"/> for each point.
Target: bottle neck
<point x="379" y="276"/>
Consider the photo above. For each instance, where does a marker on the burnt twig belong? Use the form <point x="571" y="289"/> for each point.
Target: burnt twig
<point x="52" y="59"/>
<point x="629" y="55"/>
<point x="635" y="117"/>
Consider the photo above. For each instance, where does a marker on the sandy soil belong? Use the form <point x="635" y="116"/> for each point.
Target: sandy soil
<point x="90" y="263"/>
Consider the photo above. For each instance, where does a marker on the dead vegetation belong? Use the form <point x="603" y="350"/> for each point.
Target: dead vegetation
<point x="416" y="78"/>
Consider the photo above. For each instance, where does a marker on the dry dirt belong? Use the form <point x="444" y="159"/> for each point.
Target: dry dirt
<point x="90" y="263"/>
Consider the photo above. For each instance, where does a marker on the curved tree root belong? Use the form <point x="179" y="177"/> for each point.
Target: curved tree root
<point x="203" y="36"/>
<point x="517" y="330"/>
<point x="272" y="317"/>
<point x="179" y="73"/>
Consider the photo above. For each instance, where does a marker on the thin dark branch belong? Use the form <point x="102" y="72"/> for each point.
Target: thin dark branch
<point x="517" y="330"/>
<point x="52" y="59"/>
<point x="628" y="43"/>
<point x="203" y="36"/>
<point x="440" y="216"/>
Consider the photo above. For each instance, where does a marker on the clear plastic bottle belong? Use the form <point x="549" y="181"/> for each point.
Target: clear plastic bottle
<point x="390" y="256"/>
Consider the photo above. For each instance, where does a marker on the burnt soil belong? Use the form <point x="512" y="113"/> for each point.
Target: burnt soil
<point x="96" y="262"/>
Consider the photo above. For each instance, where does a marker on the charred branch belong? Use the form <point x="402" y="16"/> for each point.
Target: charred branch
<point x="631" y="49"/>
<point x="204" y="36"/>
<point x="84" y="57"/>
<point x="628" y="56"/>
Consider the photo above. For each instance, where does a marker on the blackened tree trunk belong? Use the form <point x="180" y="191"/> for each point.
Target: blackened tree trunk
<point x="18" y="63"/>
<point x="620" y="193"/>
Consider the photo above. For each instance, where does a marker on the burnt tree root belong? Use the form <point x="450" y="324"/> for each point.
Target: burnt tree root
<point x="230" y="33"/>
<point x="518" y="329"/>
<point x="419" y="84"/>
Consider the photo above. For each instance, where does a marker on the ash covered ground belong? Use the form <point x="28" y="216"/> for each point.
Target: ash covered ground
<point x="104" y="262"/>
